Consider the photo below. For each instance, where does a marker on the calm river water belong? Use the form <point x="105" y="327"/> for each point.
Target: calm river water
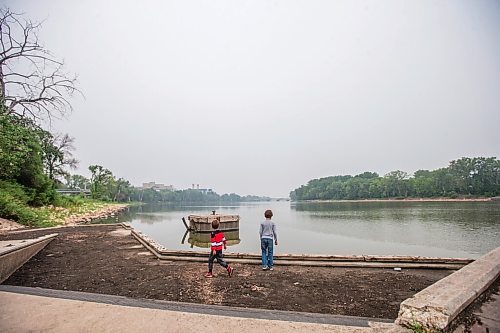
<point x="454" y="229"/>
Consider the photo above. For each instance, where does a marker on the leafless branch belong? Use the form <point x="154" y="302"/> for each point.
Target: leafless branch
<point x="33" y="83"/>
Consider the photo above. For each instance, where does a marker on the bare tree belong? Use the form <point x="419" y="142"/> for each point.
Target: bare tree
<point x="33" y="83"/>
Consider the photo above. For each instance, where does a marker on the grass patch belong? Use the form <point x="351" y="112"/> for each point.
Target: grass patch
<point x="15" y="205"/>
<point x="70" y="207"/>
<point x="416" y="327"/>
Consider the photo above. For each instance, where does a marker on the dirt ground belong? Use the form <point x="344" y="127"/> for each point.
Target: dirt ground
<point x="107" y="260"/>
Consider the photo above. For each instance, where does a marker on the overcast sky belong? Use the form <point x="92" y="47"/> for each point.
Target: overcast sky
<point x="258" y="97"/>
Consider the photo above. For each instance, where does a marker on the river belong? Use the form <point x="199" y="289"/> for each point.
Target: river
<point x="441" y="229"/>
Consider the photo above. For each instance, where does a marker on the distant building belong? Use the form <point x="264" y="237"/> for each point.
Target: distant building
<point x="157" y="187"/>
<point x="202" y="190"/>
<point x="205" y="190"/>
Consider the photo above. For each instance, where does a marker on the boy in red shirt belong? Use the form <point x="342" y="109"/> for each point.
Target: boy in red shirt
<point x="217" y="240"/>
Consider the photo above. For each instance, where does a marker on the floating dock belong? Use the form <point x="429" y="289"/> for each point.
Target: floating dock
<point x="203" y="223"/>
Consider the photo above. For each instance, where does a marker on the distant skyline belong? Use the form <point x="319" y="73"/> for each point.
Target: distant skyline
<point x="259" y="97"/>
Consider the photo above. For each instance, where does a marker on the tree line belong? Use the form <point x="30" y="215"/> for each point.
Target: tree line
<point x="105" y="186"/>
<point x="464" y="177"/>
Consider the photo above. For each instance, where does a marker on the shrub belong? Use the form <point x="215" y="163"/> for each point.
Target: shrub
<point x="12" y="208"/>
<point x="452" y="195"/>
<point x="68" y="202"/>
<point x="15" y="190"/>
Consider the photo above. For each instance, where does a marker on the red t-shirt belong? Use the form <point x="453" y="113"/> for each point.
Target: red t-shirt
<point x="217" y="239"/>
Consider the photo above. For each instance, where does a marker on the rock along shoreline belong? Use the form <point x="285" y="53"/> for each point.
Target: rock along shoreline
<point x="105" y="212"/>
<point x="72" y="220"/>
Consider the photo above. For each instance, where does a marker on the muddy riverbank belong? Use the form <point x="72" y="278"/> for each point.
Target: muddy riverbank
<point x="107" y="260"/>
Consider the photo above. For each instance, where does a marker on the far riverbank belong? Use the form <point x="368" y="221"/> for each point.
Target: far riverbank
<point x="411" y="200"/>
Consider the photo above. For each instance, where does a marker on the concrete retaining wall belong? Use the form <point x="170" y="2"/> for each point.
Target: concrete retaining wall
<point x="13" y="254"/>
<point x="436" y="306"/>
<point x="308" y="260"/>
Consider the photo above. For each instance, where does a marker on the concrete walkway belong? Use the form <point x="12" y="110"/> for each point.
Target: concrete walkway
<point x="485" y="317"/>
<point x="438" y="305"/>
<point x="489" y="314"/>
<point x="24" y="312"/>
<point x="14" y="253"/>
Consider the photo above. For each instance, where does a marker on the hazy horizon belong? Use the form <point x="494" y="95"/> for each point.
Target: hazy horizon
<point x="259" y="97"/>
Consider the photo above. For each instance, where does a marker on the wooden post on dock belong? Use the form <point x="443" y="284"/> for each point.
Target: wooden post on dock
<point x="185" y="224"/>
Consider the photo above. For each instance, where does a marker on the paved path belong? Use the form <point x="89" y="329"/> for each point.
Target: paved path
<point x="23" y="311"/>
<point x="486" y="317"/>
<point x="489" y="314"/>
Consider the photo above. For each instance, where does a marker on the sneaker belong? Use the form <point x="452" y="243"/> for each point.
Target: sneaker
<point x="271" y="268"/>
<point x="265" y="268"/>
<point x="209" y="275"/>
<point x="230" y="271"/>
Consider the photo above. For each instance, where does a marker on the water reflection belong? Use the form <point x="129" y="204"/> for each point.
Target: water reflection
<point x="395" y="228"/>
<point x="202" y="239"/>
<point x="464" y="214"/>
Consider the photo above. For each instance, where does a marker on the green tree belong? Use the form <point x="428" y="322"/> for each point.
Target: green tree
<point x="21" y="159"/>
<point x="422" y="184"/>
<point x="368" y="175"/>
<point x="462" y="172"/>
<point x="485" y="176"/>
<point x="57" y="155"/>
<point x="122" y="190"/>
<point x="17" y="144"/>
<point x="396" y="183"/>
<point x="376" y="188"/>
<point x="100" y="181"/>
<point x="77" y="182"/>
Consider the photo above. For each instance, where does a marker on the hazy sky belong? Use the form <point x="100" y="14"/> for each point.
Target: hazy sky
<point x="258" y="97"/>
